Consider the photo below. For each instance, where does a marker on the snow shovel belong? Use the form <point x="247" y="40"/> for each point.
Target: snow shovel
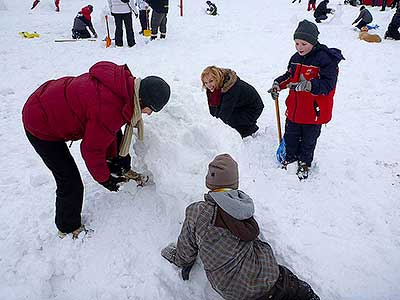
<point x="108" y="39"/>
<point x="281" y="152"/>
<point x="147" y="32"/>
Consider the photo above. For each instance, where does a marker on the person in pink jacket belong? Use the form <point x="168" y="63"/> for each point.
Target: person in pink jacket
<point x="91" y="107"/>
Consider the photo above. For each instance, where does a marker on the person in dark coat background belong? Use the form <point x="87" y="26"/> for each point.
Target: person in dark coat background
<point x="158" y="18"/>
<point x="232" y="100"/>
<point x="311" y="77"/>
<point x="91" y="107"/>
<point x="322" y="11"/>
<point x="393" y="28"/>
<point x="223" y="233"/>
<point x="81" y="21"/>
<point x="363" y="18"/>
<point x="211" y="9"/>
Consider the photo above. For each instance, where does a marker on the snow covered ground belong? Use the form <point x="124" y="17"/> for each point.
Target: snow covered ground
<point x="339" y="230"/>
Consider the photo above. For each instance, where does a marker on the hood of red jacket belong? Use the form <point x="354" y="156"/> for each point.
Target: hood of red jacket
<point x="118" y="79"/>
<point x="86" y="13"/>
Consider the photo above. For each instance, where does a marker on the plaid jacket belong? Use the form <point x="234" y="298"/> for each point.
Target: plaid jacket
<point x="236" y="269"/>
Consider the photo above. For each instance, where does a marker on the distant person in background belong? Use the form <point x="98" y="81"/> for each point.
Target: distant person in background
<point x="393" y="28"/>
<point x="56" y="2"/>
<point x="321" y="11"/>
<point x="211" y="9"/>
<point x="83" y="21"/>
<point x="311" y="4"/>
<point x="363" y="18"/>
<point x="222" y="232"/>
<point x="383" y="5"/>
<point x="92" y="107"/>
<point x="311" y="78"/>
<point x="143" y="7"/>
<point x="232" y="100"/>
<point x="122" y="13"/>
<point x="395" y="4"/>
<point x="158" y="18"/>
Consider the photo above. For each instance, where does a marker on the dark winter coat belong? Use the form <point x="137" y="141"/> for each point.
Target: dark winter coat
<point x="320" y="66"/>
<point x="322" y="9"/>
<point x="160" y="6"/>
<point x="237" y="269"/>
<point x="92" y="107"/>
<point x="364" y="15"/>
<point x="212" y="9"/>
<point x="241" y="105"/>
<point x="83" y="20"/>
<point x="395" y="22"/>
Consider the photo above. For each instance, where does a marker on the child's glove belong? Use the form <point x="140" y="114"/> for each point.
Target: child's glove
<point x="169" y="253"/>
<point x="274" y="90"/>
<point x="120" y="165"/>
<point x="302" y="86"/>
<point x="112" y="184"/>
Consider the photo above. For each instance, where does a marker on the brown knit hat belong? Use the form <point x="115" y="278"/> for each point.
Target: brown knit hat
<point x="222" y="173"/>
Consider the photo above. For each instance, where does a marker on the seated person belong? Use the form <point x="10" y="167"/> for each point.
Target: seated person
<point x="232" y="100"/>
<point x="212" y="9"/>
<point x="393" y="28"/>
<point x="222" y="231"/>
<point x="322" y="11"/>
<point x="363" y="18"/>
<point x="81" y="21"/>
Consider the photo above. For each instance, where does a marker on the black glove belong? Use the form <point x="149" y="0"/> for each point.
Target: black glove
<point x="112" y="183"/>
<point x="119" y="165"/>
<point x="186" y="271"/>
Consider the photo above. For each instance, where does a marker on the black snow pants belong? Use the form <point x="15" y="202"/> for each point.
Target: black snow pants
<point x="69" y="193"/>
<point x="289" y="287"/>
<point x="300" y="141"/>
<point x="143" y="19"/>
<point x="127" y="20"/>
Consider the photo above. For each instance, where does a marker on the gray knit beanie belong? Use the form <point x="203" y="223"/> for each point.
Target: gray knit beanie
<point x="307" y="31"/>
<point x="222" y="173"/>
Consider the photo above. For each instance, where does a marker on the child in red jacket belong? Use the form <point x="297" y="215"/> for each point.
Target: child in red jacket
<point x="311" y="77"/>
<point x="91" y="107"/>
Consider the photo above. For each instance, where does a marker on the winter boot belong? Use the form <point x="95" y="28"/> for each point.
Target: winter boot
<point x="302" y="170"/>
<point x="36" y="2"/>
<point x="74" y="233"/>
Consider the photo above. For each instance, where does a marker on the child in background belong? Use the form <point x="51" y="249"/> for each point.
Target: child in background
<point x="311" y="77"/>
<point x="56" y="3"/>
<point x="212" y="9"/>
<point x="363" y="18"/>
<point x="143" y="7"/>
<point x="81" y="21"/>
<point x="311" y="5"/>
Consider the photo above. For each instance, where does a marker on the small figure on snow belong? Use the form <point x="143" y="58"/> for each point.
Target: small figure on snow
<point x="122" y="13"/>
<point x="56" y="3"/>
<point x="222" y="231"/>
<point x="144" y="8"/>
<point x="363" y="18"/>
<point x="158" y="18"/>
<point x="311" y="78"/>
<point x="311" y="5"/>
<point x="211" y="9"/>
<point x="83" y="20"/>
<point x="393" y="28"/>
<point x="91" y="107"/>
<point x="322" y="11"/>
<point x="232" y="100"/>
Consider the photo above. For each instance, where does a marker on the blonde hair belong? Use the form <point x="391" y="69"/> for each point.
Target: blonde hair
<point x="214" y="72"/>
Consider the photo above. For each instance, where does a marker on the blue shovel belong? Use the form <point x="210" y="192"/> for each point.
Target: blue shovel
<point x="281" y="152"/>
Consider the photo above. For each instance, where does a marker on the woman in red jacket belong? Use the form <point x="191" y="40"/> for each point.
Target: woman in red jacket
<point x="91" y="107"/>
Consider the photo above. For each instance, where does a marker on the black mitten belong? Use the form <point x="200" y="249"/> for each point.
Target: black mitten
<point x="112" y="183"/>
<point x="119" y="165"/>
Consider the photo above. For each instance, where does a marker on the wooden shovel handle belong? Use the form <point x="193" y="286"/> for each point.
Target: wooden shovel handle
<point x="278" y="120"/>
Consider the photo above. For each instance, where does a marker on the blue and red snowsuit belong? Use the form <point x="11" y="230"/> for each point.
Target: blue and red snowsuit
<point x="306" y="111"/>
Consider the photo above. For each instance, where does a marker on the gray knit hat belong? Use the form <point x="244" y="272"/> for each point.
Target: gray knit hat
<point x="222" y="173"/>
<point x="307" y="31"/>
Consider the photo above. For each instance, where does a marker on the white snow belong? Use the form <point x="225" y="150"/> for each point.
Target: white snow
<point x="339" y="230"/>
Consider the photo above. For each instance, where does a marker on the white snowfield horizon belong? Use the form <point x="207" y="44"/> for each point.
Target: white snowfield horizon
<point x="339" y="230"/>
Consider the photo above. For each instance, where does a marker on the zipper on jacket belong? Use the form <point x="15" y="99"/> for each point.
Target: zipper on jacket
<point x="298" y="77"/>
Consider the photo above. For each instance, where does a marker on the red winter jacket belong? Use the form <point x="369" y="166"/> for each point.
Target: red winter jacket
<point x="91" y="107"/>
<point x="320" y="67"/>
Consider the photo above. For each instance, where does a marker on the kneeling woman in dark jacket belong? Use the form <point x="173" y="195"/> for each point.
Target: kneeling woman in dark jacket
<point x="234" y="101"/>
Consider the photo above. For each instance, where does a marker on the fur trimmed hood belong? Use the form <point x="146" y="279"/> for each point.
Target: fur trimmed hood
<point x="230" y="79"/>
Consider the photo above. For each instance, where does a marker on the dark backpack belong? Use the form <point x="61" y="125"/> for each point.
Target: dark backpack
<point x="125" y="1"/>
